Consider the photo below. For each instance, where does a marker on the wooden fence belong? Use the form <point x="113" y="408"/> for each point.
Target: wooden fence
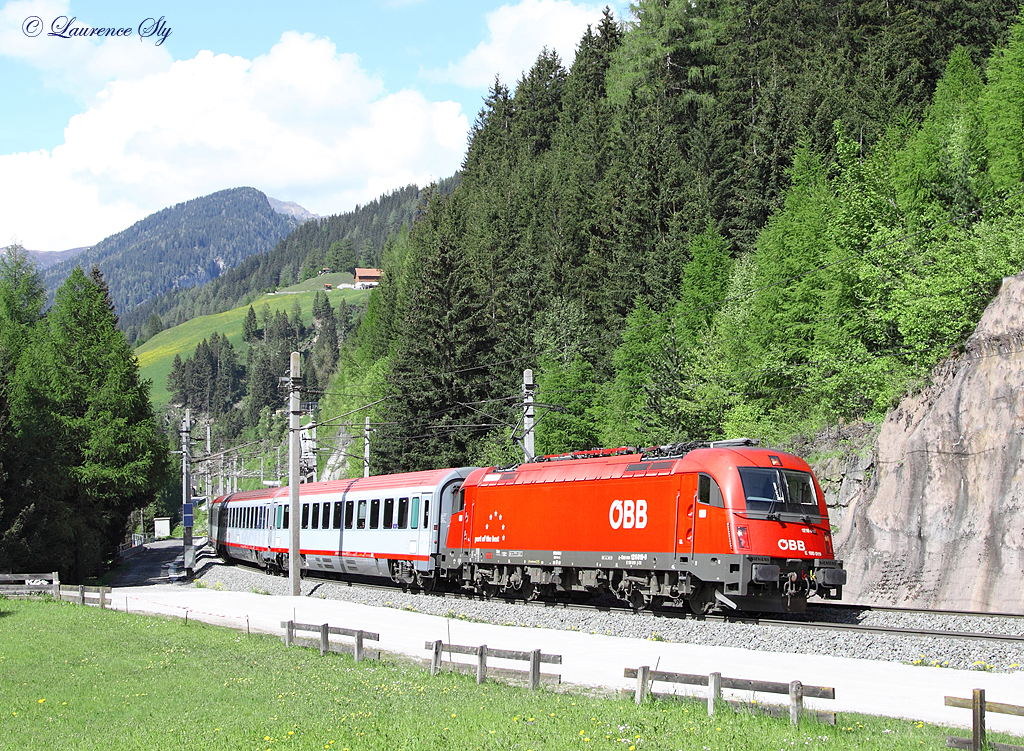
<point x="325" y="644"/>
<point x="715" y="682"/>
<point x="28" y="585"/>
<point x="534" y="658"/>
<point x="979" y="707"/>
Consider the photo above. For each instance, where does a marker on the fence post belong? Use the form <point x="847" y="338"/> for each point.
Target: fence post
<point x="481" y="664"/>
<point x="103" y="598"/>
<point x="714" y="691"/>
<point x="978" y="708"/>
<point x="324" y="635"/>
<point x="56" y="585"/>
<point x="358" y="651"/>
<point x="435" y="659"/>
<point x="289" y="633"/>
<point x="796" y="702"/>
<point x="81" y="594"/>
<point x="535" y="670"/>
<point x="643" y="675"/>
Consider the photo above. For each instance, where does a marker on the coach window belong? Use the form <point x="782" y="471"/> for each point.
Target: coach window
<point x="305" y="516"/>
<point x="279" y="509"/>
<point x="348" y="514"/>
<point x="375" y="513"/>
<point x="403" y="513"/>
<point x="316" y="516"/>
<point x="287" y="513"/>
<point x="426" y="512"/>
<point x="389" y="513"/>
<point x="336" y="522"/>
<point x="361" y="517"/>
<point x="708" y="491"/>
<point x="414" y="513"/>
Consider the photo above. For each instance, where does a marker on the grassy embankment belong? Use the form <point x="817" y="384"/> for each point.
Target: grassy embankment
<point x="157" y="355"/>
<point x="81" y="678"/>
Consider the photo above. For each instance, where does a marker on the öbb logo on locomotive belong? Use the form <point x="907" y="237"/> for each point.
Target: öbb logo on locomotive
<point x="710" y="526"/>
<point x="627" y="514"/>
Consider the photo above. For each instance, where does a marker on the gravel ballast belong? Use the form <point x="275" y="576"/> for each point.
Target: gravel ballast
<point x="933" y="651"/>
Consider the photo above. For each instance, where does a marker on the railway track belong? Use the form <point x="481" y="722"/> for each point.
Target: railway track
<point x="794" y="622"/>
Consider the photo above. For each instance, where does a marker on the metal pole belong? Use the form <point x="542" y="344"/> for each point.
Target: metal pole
<point x="366" y="448"/>
<point x="294" y="449"/>
<point x="528" y="387"/>
<point x="186" y="489"/>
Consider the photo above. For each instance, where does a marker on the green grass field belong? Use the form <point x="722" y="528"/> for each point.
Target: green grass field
<point x="157" y="355"/>
<point x="76" y="677"/>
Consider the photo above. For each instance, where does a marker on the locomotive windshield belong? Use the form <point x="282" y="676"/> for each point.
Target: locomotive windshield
<point x="779" y="491"/>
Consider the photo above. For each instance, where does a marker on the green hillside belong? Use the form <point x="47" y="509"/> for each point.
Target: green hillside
<point x="156" y="355"/>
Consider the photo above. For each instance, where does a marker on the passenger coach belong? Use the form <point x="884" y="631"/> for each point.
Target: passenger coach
<point x="389" y="525"/>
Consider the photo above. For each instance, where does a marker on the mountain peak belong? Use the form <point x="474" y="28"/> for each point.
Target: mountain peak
<point x="292" y="209"/>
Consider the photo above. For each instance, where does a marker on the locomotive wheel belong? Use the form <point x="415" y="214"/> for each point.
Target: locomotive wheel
<point x="702" y="600"/>
<point x="636" y="600"/>
<point x="528" y="591"/>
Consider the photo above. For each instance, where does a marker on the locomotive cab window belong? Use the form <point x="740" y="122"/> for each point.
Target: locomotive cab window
<point x="779" y="491"/>
<point x="708" y="491"/>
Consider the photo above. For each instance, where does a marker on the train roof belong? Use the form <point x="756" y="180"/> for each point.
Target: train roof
<point x="424" y="479"/>
<point x="613" y="464"/>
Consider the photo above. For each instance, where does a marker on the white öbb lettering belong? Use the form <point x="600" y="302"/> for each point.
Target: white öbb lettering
<point x="797" y="545"/>
<point x="628" y="514"/>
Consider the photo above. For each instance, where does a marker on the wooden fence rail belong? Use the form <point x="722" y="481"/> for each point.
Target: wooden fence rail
<point x="97" y="596"/>
<point x="28" y="585"/>
<point x="324" y="642"/>
<point x="980" y="706"/>
<point x="715" y="682"/>
<point x="534" y="658"/>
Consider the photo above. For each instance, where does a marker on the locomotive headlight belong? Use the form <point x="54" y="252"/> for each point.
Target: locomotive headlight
<point x="741" y="538"/>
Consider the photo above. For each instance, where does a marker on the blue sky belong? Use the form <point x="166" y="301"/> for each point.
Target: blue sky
<point x="326" y="104"/>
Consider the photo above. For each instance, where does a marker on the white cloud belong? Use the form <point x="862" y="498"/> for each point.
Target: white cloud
<point x="77" y="66"/>
<point x="303" y="123"/>
<point x="517" y="35"/>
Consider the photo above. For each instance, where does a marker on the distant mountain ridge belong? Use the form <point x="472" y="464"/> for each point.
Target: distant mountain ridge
<point x="366" y="227"/>
<point x="182" y="246"/>
<point x="46" y="259"/>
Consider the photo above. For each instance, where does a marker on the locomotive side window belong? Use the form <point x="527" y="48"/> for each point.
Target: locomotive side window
<point x="389" y="513"/>
<point x="305" y="516"/>
<point x="361" y="522"/>
<point x="414" y="513"/>
<point x="315" y="524"/>
<point x="349" y="507"/>
<point x="403" y="513"/>
<point x="708" y="491"/>
<point x="336" y="521"/>
<point x="375" y="513"/>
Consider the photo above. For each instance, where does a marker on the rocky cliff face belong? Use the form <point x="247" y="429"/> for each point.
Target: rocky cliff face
<point x="935" y="517"/>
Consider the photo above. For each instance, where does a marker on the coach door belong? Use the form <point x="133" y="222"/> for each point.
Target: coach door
<point x="686" y="517"/>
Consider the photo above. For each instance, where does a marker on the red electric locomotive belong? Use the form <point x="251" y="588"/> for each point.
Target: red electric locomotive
<point x="727" y="525"/>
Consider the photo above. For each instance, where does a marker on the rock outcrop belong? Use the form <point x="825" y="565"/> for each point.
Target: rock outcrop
<point x="940" y="520"/>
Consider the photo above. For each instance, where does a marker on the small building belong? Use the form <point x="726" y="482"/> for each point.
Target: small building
<point x="327" y="286"/>
<point x="366" y="278"/>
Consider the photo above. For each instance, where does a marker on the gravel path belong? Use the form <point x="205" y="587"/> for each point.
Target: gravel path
<point x="953" y="653"/>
